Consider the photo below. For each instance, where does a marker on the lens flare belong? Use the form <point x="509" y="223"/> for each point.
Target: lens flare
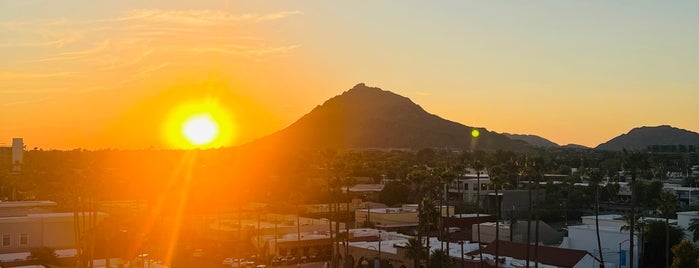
<point x="475" y="133"/>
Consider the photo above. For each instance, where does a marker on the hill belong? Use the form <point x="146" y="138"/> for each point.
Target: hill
<point x="369" y="117"/>
<point x="642" y="137"/>
<point x="533" y="140"/>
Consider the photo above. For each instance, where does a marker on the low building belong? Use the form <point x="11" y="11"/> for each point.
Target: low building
<point x="517" y="232"/>
<point x="512" y="254"/>
<point x="54" y="230"/>
<point x="392" y="248"/>
<point x="615" y="243"/>
<point x="389" y="218"/>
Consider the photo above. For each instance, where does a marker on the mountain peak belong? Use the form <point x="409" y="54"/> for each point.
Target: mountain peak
<point x="642" y="137"/>
<point x="370" y="117"/>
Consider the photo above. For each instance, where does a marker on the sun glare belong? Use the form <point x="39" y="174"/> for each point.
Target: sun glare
<point x="199" y="124"/>
<point x="200" y="129"/>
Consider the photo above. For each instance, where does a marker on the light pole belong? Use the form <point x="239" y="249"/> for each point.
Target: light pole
<point x="377" y="259"/>
<point x="620" y="253"/>
<point x="461" y="243"/>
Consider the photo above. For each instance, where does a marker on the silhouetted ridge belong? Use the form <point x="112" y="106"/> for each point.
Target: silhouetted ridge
<point x="369" y="117"/>
<point x="642" y="137"/>
<point x="533" y="140"/>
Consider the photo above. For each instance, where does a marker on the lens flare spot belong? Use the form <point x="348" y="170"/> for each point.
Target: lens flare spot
<point x="200" y="129"/>
<point x="475" y="133"/>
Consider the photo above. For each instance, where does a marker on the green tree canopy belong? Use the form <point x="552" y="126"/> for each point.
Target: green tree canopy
<point x="686" y="255"/>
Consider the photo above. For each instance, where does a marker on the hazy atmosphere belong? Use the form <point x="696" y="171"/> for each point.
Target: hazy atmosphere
<point x="107" y="74"/>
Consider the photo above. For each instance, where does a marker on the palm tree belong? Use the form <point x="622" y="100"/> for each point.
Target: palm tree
<point x="694" y="228"/>
<point x="595" y="179"/>
<point x="496" y="174"/>
<point x="422" y="182"/>
<point x="667" y="206"/>
<point x="414" y="251"/>
<point x="633" y="223"/>
<point x="633" y="162"/>
<point x="478" y="166"/>
<point x="440" y="258"/>
<point x="427" y="214"/>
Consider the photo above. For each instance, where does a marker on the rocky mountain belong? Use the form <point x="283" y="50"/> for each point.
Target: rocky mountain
<point x="533" y="140"/>
<point x="642" y="137"/>
<point x="575" y="146"/>
<point x="369" y="117"/>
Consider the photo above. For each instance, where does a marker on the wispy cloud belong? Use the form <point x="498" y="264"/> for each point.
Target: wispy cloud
<point x="20" y="76"/>
<point x="131" y="46"/>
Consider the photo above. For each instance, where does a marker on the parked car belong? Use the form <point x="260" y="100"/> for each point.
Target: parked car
<point x="198" y="253"/>
<point x="238" y="263"/>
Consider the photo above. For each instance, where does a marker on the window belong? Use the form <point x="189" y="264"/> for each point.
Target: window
<point x="6" y="240"/>
<point x="23" y="239"/>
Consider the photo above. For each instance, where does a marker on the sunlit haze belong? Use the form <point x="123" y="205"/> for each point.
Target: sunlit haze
<point x="116" y="74"/>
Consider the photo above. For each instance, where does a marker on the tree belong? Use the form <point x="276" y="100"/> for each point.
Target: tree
<point x="655" y="234"/>
<point x="667" y="206"/>
<point x="594" y="181"/>
<point x="394" y="193"/>
<point x="415" y="252"/>
<point x="496" y="174"/>
<point x="694" y="228"/>
<point x="686" y="255"/>
<point x="634" y="162"/>
<point x="440" y="258"/>
<point x="477" y="164"/>
<point x="633" y="221"/>
<point x="44" y="256"/>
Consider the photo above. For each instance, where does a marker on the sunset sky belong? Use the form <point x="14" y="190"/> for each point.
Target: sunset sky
<point x="112" y="74"/>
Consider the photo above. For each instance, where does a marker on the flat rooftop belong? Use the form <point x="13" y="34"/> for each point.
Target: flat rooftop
<point x="20" y="204"/>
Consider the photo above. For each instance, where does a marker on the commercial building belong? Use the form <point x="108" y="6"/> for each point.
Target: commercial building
<point x="54" y="230"/>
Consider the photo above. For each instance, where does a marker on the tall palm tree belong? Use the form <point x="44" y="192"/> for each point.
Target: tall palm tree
<point x="496" y="174"/>
<point x="446" y="177"/>
<point x="633" y="162"/>
<point x="427" y="214"/>
<point x="633" y="223"/>
<point x="478" y="166"/>
<point x="594" y="181"/>
<point x="667" y="206"/>
<point x="422" y="182"/>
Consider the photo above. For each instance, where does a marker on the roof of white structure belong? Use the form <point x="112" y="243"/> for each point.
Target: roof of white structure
<point x="390" y="246"/>
<point x="14" y="204"/>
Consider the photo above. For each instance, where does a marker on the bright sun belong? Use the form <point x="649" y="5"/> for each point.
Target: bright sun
<point x="199" y="124"/>
<point x="200" y="129"/>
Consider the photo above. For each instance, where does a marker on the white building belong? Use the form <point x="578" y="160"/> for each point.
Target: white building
<point x="615" y="243"/>
<point x="466" y="187"/>
<point x="54" y="230"/>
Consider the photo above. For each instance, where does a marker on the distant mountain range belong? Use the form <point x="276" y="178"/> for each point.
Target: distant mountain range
<point x="533" y="140"/>
<point x="642" y="137"/>
<point x="369" y="117"/>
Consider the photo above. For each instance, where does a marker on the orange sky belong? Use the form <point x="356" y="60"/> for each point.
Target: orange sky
<point x="109" y="75"/>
